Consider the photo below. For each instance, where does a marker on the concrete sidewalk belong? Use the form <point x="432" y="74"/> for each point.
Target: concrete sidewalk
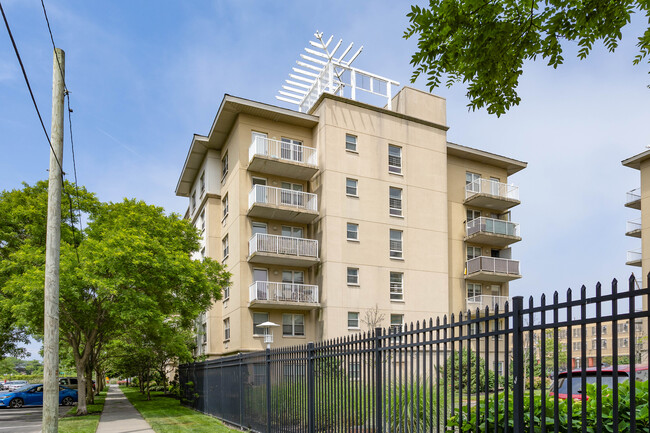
<point x="119" y="416"/>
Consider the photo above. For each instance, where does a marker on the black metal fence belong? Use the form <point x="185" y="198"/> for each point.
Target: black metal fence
<point x="516" y="370"/>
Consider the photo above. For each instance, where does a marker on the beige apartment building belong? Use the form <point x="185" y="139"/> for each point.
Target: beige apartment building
<point x="345" y="217"/>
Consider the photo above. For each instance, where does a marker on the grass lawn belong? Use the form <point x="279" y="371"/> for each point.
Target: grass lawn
<point x="166" y="415"/>
<point x="83" y="424"/>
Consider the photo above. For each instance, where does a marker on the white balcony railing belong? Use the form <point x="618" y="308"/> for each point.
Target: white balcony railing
<point x="633" y="225"/>
<point x="491" y="225"/>
<point x="490" y="301"/>
<point x="270" y="195"/>
<point x="493" y="264"/>
<point x="283" y="292"/>
<point x="633" y="195"/>
<point x="282" y="150"/>
<point x="634" y="256"/>
<point x="284" y="245"/>
<point x="491" y="187"/>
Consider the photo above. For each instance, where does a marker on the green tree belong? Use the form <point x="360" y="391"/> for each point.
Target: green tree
<point x="484" y="43"/>
<point x="133" y="267"/>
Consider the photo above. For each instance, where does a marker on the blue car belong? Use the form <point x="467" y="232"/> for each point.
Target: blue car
<point x="32" y="395"/>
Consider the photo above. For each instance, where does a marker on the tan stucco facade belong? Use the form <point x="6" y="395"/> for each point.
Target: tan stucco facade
<point x="390" y="232"/>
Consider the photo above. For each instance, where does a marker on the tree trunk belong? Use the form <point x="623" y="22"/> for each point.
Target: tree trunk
<point x="82" y="407"/>
<point x="90" y="396"/>
<point x="99" y="380"/>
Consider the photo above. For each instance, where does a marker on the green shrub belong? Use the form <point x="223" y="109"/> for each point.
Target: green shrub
<point x="564" y="406"/>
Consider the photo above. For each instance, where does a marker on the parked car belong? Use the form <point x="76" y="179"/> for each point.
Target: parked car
<point x="71" y="382"/>
<point x="607" y="378"/>
<point x="32" y="395"/>
<point x="13" y="384"/>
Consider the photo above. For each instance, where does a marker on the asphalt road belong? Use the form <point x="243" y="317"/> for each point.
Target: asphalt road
<point x="25" y="419"/>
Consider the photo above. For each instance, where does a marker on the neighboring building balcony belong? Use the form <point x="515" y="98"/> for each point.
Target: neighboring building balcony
<point x="282" y="204"/>
<point x="633" y="199"/>
<point x="633" y="228"/>
<point x="491" y="194"/>
<point x="282" y="250"/>
<point x="493" y="269"/>
<point x="489" y="301"/>
<point x="634" y="258"/>
<point x="490" y="231"/>
<point x="282" y="158"/>
<point x="270" y="295"/>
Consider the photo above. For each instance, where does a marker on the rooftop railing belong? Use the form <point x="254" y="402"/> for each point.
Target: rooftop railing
<point x="492" y="225"/>
<point x="282" y="150"/>
<point x="283" y="292"/>
<point x="269" y="195"/>
<point x="493" y="264"/>
<point x="282" y="245"/>
<point x="491" y="187"/>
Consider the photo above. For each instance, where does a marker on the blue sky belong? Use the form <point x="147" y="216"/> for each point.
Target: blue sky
<point x="145" y="76"/>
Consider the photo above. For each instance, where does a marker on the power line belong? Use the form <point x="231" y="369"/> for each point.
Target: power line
<point x="49" y="29"/>
<point x="13" y="42"/>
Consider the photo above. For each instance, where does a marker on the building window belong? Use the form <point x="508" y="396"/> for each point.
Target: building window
<point x="622" y="328"/>
<point x="594" y="329"/>
<point x="224" y="244"/>
<point x="623" y="342"/>
<point x="353" y="276"/>
<point x="394" y="159"/>
<point x="226" y="293"/>
<point x="354" y="370"/>
<point x="473" y="252"/>
<point x="473" y="214"/>
<point x="396" y="244"/>
<point x="202" y="183"/>
<point x="353" y="232"/>
<point x="202" y="220"/>
<point x="202" y="253"/>
<point x="291" y="150"/>
<point x="576" y="346"/>
<point x="293" y="325"/>
<point x="604" y="329"/>
<point x="473" y="289"/>
<point x="576" y="332"/>
<point x="351" y="187"/>
<point x="226" y="329"/>
<point x="258" y="319"/>
<point x="395" y="201"/>
<point x="224" y="205"/>
<point x="472" y="182"/>
<point x="204" y="333"/>
<point x="603" y="343"/>
<point x="350" y="143"/>
<point x="353" y="320"/>
<point x="396" y="286"/>
<point x="224" y="166"/>
<point x="294" y="371"/>
<point x="594" y="344"/>
<point x="396" y="322"/>
<point x="193" y="202"/>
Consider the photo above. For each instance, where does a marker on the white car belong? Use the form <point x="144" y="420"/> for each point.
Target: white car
<point x="14" y="384"/>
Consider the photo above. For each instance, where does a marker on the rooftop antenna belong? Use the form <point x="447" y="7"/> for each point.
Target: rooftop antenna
<point x="320" y="71"/>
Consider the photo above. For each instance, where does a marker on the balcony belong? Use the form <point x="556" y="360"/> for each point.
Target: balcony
<point x="489" y="301"/>
<point x="634" y="258"/>
<point x="282" y="250"/>
<point x="633" y="228"/>
<point x="491" y="194"/>
<point x="270" y="295"/>
<point x="633" y="199"/>
<point x="282" y="204"/>
<point x="282" y="159"/>
<point x="490" y="231"/>
<point x="492" y="269"/>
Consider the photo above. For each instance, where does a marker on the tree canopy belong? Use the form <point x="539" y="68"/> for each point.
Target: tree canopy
<point x="484" y="43"/>
<point x="131" y="269"/>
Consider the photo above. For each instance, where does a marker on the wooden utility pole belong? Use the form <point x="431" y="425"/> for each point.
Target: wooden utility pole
<point x="52" y="253"/>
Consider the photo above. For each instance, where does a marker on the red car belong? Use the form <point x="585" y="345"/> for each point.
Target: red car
<point x="607" y="378"/>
